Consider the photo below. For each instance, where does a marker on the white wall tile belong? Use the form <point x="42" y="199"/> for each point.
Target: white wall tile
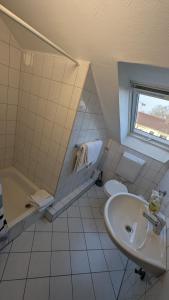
<point x="15" y="58"/>
<point x="3" y="94"/>
<point x="65" y="95"/>
<point x="13" y="96"/>
<point x="4" y="53"/>
<point x="14" y="78"/>
<point x="4" y="32"/>
<point x="3" y="75"/>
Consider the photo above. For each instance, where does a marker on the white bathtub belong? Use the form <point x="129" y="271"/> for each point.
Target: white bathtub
<point x="16" y="188"/>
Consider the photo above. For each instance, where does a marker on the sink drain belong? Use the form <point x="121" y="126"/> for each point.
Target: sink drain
<point x="128" y="228"/>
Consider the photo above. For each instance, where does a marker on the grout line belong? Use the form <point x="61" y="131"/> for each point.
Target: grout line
<point x="107" y="265"/>
<point x="28" y="265"/>
<point x="6" y="262"/>
<point x="122" y="280"/>
<point x="88" y="259"/>
<point x="70" y="256"/>
<point x="60" y="250"/>
<point x="53" y="276"/>
<point x="50" y="260"/>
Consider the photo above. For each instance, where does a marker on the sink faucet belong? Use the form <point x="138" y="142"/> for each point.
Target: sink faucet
<point x="157" y="222"/>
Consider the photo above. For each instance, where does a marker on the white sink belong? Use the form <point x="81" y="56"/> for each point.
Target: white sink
<point x="133" y="234"/>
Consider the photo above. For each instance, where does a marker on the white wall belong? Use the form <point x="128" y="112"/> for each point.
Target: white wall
<point x="39" y="97"/>
<point x="148" y="75"/>
<point x="10" y="59"/>
<point x="103" y="32"/>
<point x="50" y="89"/>
<point x="89" y="125"/>
<point x="149" y="176"/>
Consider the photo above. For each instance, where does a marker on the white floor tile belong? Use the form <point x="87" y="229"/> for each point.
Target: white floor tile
<point x="60" y="241"/>
<point x="86" y="212"/>
<point x="60" y="263"/>
<point x="92" y="241"/>
<point x="83" y="201"/>
<point x="116" y="278"/>
<point x="37" y="289"/>
<point x="42" y="241"/>
<point x="3" y="258"/>
<point x="89" y="225"/>
<point x="97" y="212"/>
<point x="39" y="264"/>
<point x="113" y="260"/>
<point x="60" y="225"/>
<point x="100" y="225"/>
<point x="79" y="262"/>
<point x="31" y="228"/>
<point x="97" y="261"/>
<point x="12" y="290"/>
<point x="43" y="225"/>
<point x="103" y="286"/>
<point x="106" y="242"/>
<point x="75" y="225"/>
<point x="82" y="287"/>
<point x="77" y="241"/>
<point x="17" y="266"/>
<point x="61" y="288"/>
<point x="23" y="243"/>
<point x="73" y="212"/>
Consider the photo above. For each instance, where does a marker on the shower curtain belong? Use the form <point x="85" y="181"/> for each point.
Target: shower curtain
<point x="3" y="222"/>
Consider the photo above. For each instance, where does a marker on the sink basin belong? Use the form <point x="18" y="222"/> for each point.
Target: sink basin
<point x="133" y="234"/>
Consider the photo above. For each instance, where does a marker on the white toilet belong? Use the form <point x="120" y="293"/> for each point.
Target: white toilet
<point x="128" y="169"/>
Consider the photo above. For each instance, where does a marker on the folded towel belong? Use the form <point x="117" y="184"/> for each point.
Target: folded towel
<point x="93" y="151"/>
<point x="87" y="154"/>
<point x="41" y="199"/>
<point x="81" y="158"/>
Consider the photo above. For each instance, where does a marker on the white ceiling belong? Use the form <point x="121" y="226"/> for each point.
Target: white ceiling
<point x="100" y="31"/>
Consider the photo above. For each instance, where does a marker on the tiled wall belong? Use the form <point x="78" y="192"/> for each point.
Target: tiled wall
<point x="10" y="56"/>
<point x="149" y="177"/>
<point x="50" y="88"/>
<point x="89" y="125"/>
<point x="39" y="95"/>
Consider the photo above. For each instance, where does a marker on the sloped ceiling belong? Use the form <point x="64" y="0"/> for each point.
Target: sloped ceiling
<point x="103" y="31"/>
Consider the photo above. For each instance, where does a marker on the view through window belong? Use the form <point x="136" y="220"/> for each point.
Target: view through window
<point x="153" y="116"/>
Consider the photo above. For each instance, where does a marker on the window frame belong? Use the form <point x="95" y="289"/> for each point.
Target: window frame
<point x="137" y="89"/>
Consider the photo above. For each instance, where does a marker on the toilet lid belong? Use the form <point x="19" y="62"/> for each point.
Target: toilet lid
<point x="113" y="187"/>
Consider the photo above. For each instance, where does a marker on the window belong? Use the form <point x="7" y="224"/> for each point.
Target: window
<point x="150" y="113"/>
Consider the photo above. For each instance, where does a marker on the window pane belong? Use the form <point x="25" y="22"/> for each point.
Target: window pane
<point x="153" y="116"/>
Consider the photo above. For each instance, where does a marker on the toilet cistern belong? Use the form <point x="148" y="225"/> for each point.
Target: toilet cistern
<point x="127" y="169"/>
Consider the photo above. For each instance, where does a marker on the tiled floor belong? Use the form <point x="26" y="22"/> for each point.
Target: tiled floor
<point x="72" y="258"/>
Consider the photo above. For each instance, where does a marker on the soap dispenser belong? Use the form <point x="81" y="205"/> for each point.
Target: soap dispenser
<point x="156" y="200"/>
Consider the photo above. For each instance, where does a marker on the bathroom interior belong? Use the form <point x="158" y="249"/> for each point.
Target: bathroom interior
<point x="84" y="150"/>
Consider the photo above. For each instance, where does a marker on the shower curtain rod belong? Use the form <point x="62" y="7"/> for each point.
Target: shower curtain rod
<point x="35" y="32"/>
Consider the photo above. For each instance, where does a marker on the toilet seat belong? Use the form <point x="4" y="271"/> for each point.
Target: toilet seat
<point x="113" y="187"/>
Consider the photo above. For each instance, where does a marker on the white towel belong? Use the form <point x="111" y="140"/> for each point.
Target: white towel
<point x="81" y="158"/>
<point x="93" y="151"/>
<point x="41" y="199"/>
<point x="87" y="154"/>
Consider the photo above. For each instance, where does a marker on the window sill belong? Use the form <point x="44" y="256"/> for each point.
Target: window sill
<point x="147" y="148"/>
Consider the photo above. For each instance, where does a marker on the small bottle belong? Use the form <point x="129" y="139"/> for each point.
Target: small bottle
<point x="155" y="202"/>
